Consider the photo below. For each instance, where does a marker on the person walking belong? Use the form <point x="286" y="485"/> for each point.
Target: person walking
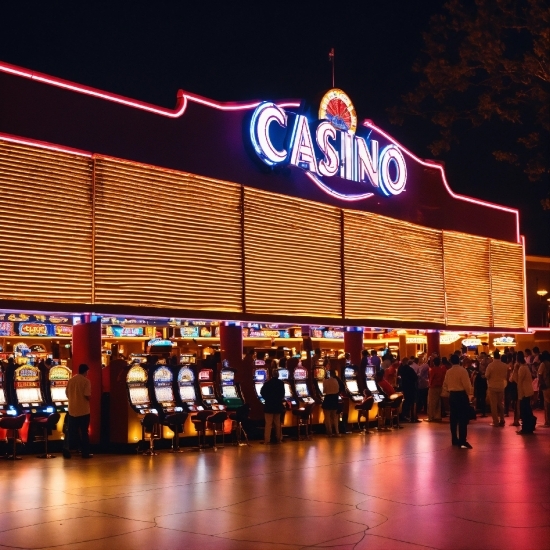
<point x="273" y="392"/>
<point x="437" y="376"/>
<point x="79" y="391"/>
<point x="331" y="389"/>
<point x="496" y="375"/>
<point x="525" y="393"/>
<point x="457" y="383"/>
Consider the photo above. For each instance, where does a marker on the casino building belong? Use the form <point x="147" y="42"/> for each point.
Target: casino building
<point x="240" y="216"/>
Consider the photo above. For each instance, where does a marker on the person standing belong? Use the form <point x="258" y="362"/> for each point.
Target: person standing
<point x="423" y="387"/>
<point x="331" y="389"/>
<point x="457" y="383"/>
<point x="525" y="393"/>
<point x="544" y="384"/>
<point x="409" y="385"/>
<point x="375" y="360"/>
<point x="273" y="391"/>
<point x="496" y="375"/>
<point x="437" y="376"/>
<point x="79" y="391"/>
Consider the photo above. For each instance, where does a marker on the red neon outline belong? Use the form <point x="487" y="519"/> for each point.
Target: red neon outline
<point x="181" y="103"/>
<point x="44" y="145"/>
<point x="526" y="318"/>
<point x="370" y="124"/>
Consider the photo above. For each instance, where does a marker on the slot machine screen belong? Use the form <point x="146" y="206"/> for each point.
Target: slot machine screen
<point x="300" y="374"/>
<point x="187" y="393"/>
<point x="2" y="396"/>
<point x="164" y="394"/>
<point x="288" y="391"/>
<point x="371" y="384"/>
<point x="258" y="386"/>
<point x="204" y="375"/>
<point x="321" y="385"/>
<point x="58" y="393"/>
<point x="27" y="384"/>
<point x="139" y="395"/>
<point x="185" y="375"/>
<point x="301" y="390"/>
<point x="227" y="376"/>
<point x="369" y="371"/>
<point x="260" y="375"/>
<point x="283" y="374"/>
<point x="207" y="391"/>
<point x="352" y="386"/>
<point x="349" y="372"/>
<point x="29" y="395"/>
<point x="229" y="392"/>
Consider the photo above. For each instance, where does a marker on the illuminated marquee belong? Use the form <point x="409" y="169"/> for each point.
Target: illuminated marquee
<point x="328" y="148"/>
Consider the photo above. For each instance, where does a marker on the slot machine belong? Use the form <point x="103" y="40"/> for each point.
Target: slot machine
<point x="261" y="376"/>
<point x="301" y="388"/>
<point x="319" y="375"/>
<point x="231" y="395"/>
<point x="369" y="372"/>
<point x="4" y="407"/>
<point x="206" y="387"/>
<point x="187" y="389"/>
<point x="163" y="389"/>
<point x="58" y="378"/>
<point x="138" y="391"/>
<point x="284" y="375"/>
<point x="350" y="381"/>
<point x="28" y="393"/>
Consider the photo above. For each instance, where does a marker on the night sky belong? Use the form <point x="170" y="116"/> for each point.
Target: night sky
<point x="237" y="51"/>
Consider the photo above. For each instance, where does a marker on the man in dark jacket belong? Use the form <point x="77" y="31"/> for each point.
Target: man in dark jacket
<point x="273" y="391"/>
<point x="409" y="385"/>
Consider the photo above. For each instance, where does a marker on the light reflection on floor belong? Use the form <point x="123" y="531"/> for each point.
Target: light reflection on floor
<point x="403" y="489"/>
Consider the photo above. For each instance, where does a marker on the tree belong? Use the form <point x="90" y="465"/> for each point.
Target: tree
<point x="487" y="61"/>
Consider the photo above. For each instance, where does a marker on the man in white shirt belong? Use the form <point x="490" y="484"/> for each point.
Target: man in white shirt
<point x="78" y="391"/>
<point x="496" y="375"/>
<point x="457" y="383"/>
<point x="525" y="392"/>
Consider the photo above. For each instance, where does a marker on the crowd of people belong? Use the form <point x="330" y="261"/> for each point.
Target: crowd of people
<point x="510" y="382"/>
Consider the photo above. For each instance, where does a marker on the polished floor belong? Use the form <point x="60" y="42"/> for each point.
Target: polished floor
<point x="407" y="489"/>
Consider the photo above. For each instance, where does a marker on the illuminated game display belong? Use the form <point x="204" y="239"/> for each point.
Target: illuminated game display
<point x="186" y="384"/>
<point x="260" y="378"/>
<point x="319" y="375"/>
<point x="300" y="385"/>
<point x="3" y="400"/>
<point x="206" y="386"/>
<point x="371" y="385"/>
<point x="59" y="377"/>
<point x="350" y="379"/>
<point x="163" y="380"/>
<point x="138" y="393"/>
<point x="28" y="392"/>
<point x="231" y="395"/>
<point x="289" y="395"/>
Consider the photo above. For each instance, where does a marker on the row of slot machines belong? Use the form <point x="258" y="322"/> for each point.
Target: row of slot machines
<point x="30" y="390"/>
<point x="298" y="388"/>
<point x="166" y="389"/>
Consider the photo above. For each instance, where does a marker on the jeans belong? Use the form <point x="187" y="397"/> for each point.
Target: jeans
<point x="78" y="433"/>
<point x="331" y="421"/>
<point x="272" y="419"/>
<point x="459" y="403"/>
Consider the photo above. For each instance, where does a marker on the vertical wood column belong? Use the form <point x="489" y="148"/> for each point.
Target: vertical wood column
<point x="87" y="349"/>
<point x="433" y="343"/>
<point x="231" y="348"/>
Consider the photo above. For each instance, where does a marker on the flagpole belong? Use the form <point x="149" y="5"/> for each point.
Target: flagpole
<point x="331" y="59"/>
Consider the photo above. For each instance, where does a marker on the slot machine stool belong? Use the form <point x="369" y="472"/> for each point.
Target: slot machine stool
<point x="238" y="417"/>
<point x="150" y="428"/>
<point x="47" y="424"/>
<point x="174" y="422"/>
<point x="363" y="412"/>
<point x="199" y="421"/>
<point x="213" y="422"/>
<point x="304" y="419"/>
<point x="395" y="409"/>
<point x="14" y="424"/>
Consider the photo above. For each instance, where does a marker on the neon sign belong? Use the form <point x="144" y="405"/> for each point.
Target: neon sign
<point x="328" y="148"/>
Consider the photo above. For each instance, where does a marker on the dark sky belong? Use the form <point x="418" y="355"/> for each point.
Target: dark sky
<point x="262" y="50"/>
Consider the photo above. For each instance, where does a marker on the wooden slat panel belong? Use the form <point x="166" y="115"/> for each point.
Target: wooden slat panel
<point x="393" y="269"/>
<point x="507" y="284"/>
<point x="292" y="255"/>
<point x="467" y="280"/>
<point x="46" y="225"/>
<point x="166" y="239"/>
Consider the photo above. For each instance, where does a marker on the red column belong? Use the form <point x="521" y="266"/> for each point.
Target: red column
<point x="231" y="348"/>
<point x="87" y="349"/>
<point x="353" y="344"/>
<point x="432" y="341"/>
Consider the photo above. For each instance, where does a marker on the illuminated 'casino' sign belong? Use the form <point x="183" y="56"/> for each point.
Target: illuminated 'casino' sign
<point x="328" y="147"/>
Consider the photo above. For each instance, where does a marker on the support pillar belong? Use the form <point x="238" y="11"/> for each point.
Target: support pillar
<point x="353" y="344"/>
<point x="231" y="348"/>
<point x="402" y="346"/>
<point x="87" y="349"/>
<point x="432" y="341"/>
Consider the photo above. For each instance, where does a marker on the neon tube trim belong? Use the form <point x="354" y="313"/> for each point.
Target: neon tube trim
<point x="370" y="124"/>
<point x="330" y="191"/>
<point x="182" y="97"/>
